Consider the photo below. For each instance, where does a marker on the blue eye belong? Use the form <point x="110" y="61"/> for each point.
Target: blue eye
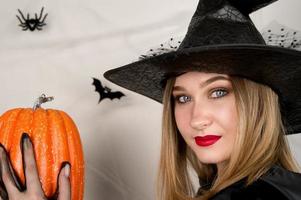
<point x="219" y="93"/>
<point x="182" y="99"/>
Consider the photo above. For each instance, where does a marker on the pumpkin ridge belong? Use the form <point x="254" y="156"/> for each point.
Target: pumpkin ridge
<point x="59" y="141"/>
<point x="42" y="148"/>
<point x="8" y="127"/>
<point x="24" y="117"/>
<point x="1" y="121"/>
<point x="65" y="135"/>
<point x="72" y="157"/>
<point x="51" y="185"/>
<point x="75" y="158"/>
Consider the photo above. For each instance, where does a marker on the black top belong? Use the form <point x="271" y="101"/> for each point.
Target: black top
<point x="277" y="184"/>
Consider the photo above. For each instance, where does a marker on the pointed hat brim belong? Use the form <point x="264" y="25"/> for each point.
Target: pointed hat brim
<point x="276" y="67"/>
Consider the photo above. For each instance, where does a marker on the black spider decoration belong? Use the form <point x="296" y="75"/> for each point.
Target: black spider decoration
<point x="32" y="23"/>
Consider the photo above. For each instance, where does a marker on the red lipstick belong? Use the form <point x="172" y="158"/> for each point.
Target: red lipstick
<point x="206" y="140"/>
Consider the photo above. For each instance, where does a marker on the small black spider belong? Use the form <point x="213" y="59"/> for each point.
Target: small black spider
<point x="32" y="23"/>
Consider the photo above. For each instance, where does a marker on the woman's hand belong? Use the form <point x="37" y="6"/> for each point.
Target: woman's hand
<point x="33" y="189"/>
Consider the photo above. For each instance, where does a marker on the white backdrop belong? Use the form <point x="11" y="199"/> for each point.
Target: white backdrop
<point x="82" y="39"/>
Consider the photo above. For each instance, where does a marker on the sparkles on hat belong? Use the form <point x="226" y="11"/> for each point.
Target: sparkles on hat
<point x="221" y="38"/>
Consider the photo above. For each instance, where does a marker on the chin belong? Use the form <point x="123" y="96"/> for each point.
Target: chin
<point x="209" y="157"/>
<point x="209" y="161"/>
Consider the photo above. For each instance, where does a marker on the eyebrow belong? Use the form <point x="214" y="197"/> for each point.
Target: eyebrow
<point x="205" y="83"/>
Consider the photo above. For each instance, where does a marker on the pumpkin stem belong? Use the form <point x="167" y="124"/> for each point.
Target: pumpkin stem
<point x="40" y="100"/>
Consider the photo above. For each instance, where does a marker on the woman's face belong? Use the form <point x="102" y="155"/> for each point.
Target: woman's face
<point x="206" y="114"/>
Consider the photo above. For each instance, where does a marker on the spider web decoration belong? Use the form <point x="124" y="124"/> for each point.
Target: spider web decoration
<point x="279" y="35"/>
<point x="228" y="12"/>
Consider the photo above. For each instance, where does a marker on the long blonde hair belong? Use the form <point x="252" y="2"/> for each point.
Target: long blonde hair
<point x="259" y="144"/>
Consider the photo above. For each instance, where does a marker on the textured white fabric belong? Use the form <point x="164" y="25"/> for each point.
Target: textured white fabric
<point x="81" y="40"/>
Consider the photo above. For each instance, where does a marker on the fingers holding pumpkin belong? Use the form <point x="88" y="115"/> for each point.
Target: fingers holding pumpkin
<point x="32" y="177"/>
<point x="6" y="174"/>
<point x="33" y="189"/>
<point x="64" y="187"/>
<point x="3" y="193"/>
<point x="10" y="187"/>
<point x="33" y="184"/>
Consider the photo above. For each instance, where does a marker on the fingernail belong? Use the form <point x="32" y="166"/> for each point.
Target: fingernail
<point x="2" y="151"/>
<point x="27" y="143"/>
<point x="3" y="158"/>
<point x="67" y="170"/>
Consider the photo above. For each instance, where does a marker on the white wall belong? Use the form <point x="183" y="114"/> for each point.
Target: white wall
<point x="82" y="39"/>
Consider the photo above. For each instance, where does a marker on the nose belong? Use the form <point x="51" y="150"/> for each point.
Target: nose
<point x="200" y="117"/>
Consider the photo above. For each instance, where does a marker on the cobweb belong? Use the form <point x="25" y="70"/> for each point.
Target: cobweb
<point x="274" y="34"/>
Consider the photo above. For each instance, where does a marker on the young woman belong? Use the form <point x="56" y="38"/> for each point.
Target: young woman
<point x="229" y="130"/>
<point x="229" y="100"/>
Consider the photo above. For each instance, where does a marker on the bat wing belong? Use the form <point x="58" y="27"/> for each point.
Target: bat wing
<point x="115" y="95"/>
<point x="99" y="89"/>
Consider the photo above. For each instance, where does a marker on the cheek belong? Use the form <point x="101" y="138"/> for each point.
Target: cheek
<point x="182" y="118"/>
<point x="227" y="117"/>
<point x="227" y="120"/>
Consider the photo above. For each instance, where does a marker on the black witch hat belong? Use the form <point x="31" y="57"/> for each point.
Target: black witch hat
<point x="221" y="38"/>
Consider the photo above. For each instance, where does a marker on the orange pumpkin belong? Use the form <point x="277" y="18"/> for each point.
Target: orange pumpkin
<point x="55" y="139"/>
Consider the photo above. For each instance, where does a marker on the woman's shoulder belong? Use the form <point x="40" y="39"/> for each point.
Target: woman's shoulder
<point x="287" y="182"/>
<point x="259" y="190"/>
<point x="278" y="183"/>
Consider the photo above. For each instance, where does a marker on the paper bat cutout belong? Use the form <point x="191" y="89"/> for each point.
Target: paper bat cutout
<point x="105" y="92"/>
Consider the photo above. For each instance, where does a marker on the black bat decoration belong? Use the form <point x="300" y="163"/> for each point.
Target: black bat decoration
<point x="105" y="92"/>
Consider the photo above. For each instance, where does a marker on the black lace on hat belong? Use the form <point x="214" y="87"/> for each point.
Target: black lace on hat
<point x="275" y="34"/>
<point x="279" y="35"/>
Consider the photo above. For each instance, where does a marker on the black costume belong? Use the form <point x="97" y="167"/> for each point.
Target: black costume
<point x="277" y="184"/>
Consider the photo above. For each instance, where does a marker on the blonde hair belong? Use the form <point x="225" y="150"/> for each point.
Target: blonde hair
<point x="259" y="144"/>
